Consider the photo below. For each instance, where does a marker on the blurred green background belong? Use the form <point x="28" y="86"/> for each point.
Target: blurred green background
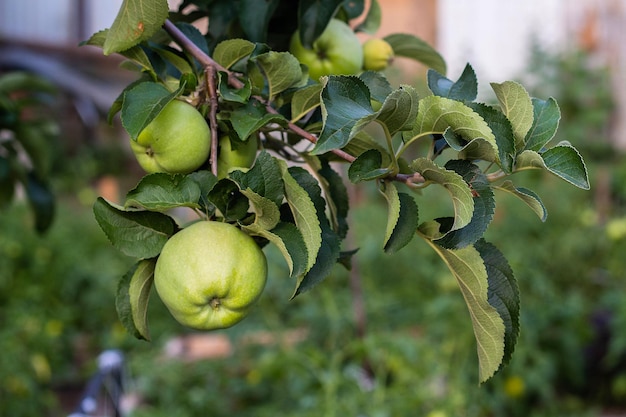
<point x="414" y="356"/>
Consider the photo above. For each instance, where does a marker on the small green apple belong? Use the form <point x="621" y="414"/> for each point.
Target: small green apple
<point x="178" y="140"/>
<point x="240" y="158"/>
<point x="337" y="51"/>
<point x="210" y="274"/>
<point x="377" y="54"/>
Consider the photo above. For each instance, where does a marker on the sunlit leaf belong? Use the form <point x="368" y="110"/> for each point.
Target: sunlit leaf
<point x="517" y="105"/>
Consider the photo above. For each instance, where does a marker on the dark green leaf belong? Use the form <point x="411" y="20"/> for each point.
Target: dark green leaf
<point x="484" y="207"/>
<point x="264" y="178"/>
<point x="228" y="93"/>
<point x="254" y="17"/>
<point x="367" y="166"/>
<point x="313" y="17"/>
<point x="140" y="234"/>
<point x="503" y="132"/>
<point x="464" y="89"/>
<point x="206" y="181"/>
<point x="142" y="104"/>
<point x="565" y="162"/>
<point x="227" y="198"/>
<point x="531" y="199"/>
<point x="353" y="8"/>
<point x="545" y="124"/>
<point x="133" y="295"/>
<point x="41" y="200"/>
<point x="372" y="20"/>
<point x="377" y="84"/>
<point x="281" y="70"/>
<point x="337" y="198"/>
<point x="399" y="110"/>
<point x="249" y="118"/>
<point x="503" y="294"/>
<point x="410" y="46"/>
<point x="161" y="191"/>
<point x="304" y="100"/>
<point x="402" y="220"/>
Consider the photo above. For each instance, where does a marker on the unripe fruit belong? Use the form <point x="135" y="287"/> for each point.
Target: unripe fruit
<point x="210" y="274"/>
<point x="377" y="54"/>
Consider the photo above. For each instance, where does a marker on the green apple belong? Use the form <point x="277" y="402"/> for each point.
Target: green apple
<point x="377" y="54"/>
<point x="210" y="274"/>
<point x="240" y="158"/>
<point x="178" y="140"/>
<point x="337" y="51"/>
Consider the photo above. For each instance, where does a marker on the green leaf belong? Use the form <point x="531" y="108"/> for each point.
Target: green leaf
<point x="135" y="54"/>
<point x="565" y="162"/>
<point x="304" y="100"/>
<point x="247" y="119"/>
<point x="255" y="16"/>
<point x="205" y="181"/>
<point x="345" y="106"/>
<point x="410" y="46"/>
<point x="133" y="295"/>
<point x="367" y="166"/>
<point x="264" y="178"/>
<point x="470" y="271"/>
<point x="313" y="17"/>
<point x="330" y="249"/>
<point x="142" y="104"/>
<point x="227" y="198"/>
<point x="503" y="132"/>
<point x="377" y="84"/>
<point x="286" y="237"/>
<point x="336" y="196"/>
<point x="399" y="110"/>
<point x="455" y="185"/>
<point x="266" y="211"/>
<point x="228" y="93"/>
<point x="464" y="89"/>
<point x="373" y="19"/>
<point x="161" y="191"/>
<point x="436" y="114"/>
<point x="402" y="220"/>
<point x="484" y="207"/>
<point x="518" y="108"/>
<point x="139" y="234"/>
<point x="41" y="200"/>
<point x="227" y="53"/>
<point x="136" y="21"/>
<point x="531" y="199"/>
<point x="281" y="70"/>
<point x="37" y="144"/>
<point x="545" y="124"/>
<point x="305" y="215"/>
<point x="503" y="294"/>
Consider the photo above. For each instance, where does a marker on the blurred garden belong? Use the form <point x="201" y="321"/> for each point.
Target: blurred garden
<point x="408" y="352"/>
<point x="388" y="338"/>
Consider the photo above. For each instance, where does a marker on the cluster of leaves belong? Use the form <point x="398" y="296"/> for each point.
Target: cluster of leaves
<point x="26" y="143"/>
<point x="247" y="88"/>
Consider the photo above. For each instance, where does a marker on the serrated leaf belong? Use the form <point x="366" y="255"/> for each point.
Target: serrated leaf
<point x="484" y="207"/>
<point x="136" y="21"/>
<point x="142" y="104"/>
<point x="410" y="46"/>
<point x="264" y="178"/>
<point x="436" y="114"/>
<point x="139" y="234"/>
<point x="464" y="89"/>
<point x="227" y="53"/>
<point x="228" y="93"/>
<point x="227" y="198"/>
<point x="476" y="149"/>
<point x="565" y="162"/>
<point x="313" y="17"/>
<point x="545" y="124"/>
<point x="503" y="294"/>
<point x="346" y="109"/>
<point x="377" y="84"/>
<point x="286" y="237"/>
<point x="367" y="167"/>
<point x="281" y="70"/>
<point x="402" y="219"/>
<point x="133" y="295"/>
<point x="531" y="199"/>
<point x="330" y="249"/>
<point x="336" y="196"/>
<point x="503" y="132"/>
<point x="249" y="118"/>
<point x="470" y="271"/>
<point x="516" y="104"/>
<point x="462" y="198"/>
<point x="266" y="211"/>
<point x="305" y="215"/>
<point x="161" y="191"/>
<point x="399" y="110"/>
<point x="304" y="100"/>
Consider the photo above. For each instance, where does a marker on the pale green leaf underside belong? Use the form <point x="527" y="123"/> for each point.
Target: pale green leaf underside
<point x="304" y="100"/>
<point x="531" y="199"/>
<point x="227" y="53"/>
<point x="267" y="213"/>
<point x="517" y="105"/>
<point x="468" y="268"/>
<point x="139" y="295"/>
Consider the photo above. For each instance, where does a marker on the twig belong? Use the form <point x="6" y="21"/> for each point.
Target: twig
<point x="210" y="74"/>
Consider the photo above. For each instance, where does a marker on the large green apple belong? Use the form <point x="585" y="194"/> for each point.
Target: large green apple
<point x="337" y="51"/>
<point x="209" y="275"/>
<point x="178" y="140"/>
<point x="377" y="54"/>
<point x="240" y="158"/>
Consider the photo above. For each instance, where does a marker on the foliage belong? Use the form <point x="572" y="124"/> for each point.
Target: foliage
<point x="27" y="139"/>
<point x="240" y="75"/>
